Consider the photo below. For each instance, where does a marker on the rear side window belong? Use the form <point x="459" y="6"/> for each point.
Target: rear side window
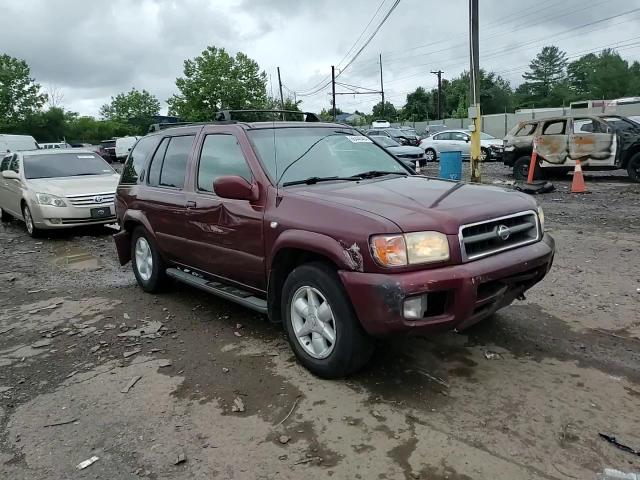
<point x="136" y="161"/>
<point x="174" y="165"/>
<point x="442" y="136"/>
<point x="554" y="128"/>
<point x="526" y="130"/>
<point x="221" y="156"/>
<point x="153" y="177"/>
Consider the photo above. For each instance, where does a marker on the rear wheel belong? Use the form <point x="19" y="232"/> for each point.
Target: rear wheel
<point x="148" y="266"/>
<point x="633" y="168"/>
<point x="430" y="155"/>
<point x="322" y="327"/>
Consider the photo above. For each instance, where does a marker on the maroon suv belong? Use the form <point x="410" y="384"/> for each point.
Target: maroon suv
<point x="318" y="227"/>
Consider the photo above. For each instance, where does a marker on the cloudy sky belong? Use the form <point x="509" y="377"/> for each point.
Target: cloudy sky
<point x="90" y="50"/>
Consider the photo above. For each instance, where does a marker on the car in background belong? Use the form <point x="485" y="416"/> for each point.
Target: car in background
<point x="124" y="146"/>
<point x="16" y="143"/>
<point x="460" y="141"/>
<point x="107" y="150"/>
<point x="380" y="124"/>
<point x="430" y="130"/>
<point x="57" y="188"/>
<point x="600" y="142"/>
<point x="50" y="145"/>
<point x="396" y="134"/>
<point x="407" y="154"/>
<point x="411" y="132"/>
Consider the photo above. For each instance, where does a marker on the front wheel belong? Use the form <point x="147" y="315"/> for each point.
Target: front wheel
<point x="633" y="168"/>
<point x="430" y="155"/>
<point x="322" y="327"/>
<point x="148" y="266"/>
<point x="32" y="230"/>
<point x="485" y="154"/>
<point x="521" y="170"/>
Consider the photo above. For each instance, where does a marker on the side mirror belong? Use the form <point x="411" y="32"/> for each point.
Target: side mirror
<point x="234" y="188"/>
<point x="467" y="139"/>
<point x="10" y="175"/>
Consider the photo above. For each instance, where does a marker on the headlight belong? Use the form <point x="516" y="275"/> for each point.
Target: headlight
<point x="509" y="148"/>
<point x="541" y="218"/>
<point x="47" y="199"/>
<point x="410" y="249"/>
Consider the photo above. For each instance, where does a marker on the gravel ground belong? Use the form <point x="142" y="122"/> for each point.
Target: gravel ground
<point x="523" y="395"/>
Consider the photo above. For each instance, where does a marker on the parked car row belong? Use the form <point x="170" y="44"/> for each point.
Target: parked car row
<point x="491" y="148"/>
<point x="314" y="225"/>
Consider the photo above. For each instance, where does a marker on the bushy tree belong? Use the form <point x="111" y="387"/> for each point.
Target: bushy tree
<point x="547" y="72"/>
<point x="389" y="112"/>
<point x="603" y="75"/>
<point x="20" y="95"/>
<point x="215" y="81"/>
<point x="132" y="105"/>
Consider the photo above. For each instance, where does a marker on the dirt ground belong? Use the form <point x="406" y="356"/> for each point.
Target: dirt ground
<point x="523" y="395"/>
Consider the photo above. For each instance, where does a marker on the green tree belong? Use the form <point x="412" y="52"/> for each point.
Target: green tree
<point x="132" y="105"/>
<point x="389" y="112"/>
<point x="546" y="72"/>
<point x="418" y="105"/>
<point x="20" y="96"/>
<point x="605" y="75"/>
<point x="214" y="81"/>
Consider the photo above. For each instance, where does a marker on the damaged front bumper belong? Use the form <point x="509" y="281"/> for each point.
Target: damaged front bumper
<point x="455" y="296"/>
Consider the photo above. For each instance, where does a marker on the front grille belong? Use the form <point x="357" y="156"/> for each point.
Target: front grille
<point x="486" y="238"/>
<point x="91" y="199"/>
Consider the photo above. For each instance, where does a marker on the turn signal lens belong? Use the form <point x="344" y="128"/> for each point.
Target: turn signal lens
<point x="389" y="250"/>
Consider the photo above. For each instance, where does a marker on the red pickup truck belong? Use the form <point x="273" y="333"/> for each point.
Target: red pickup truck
<point x="323" y="230"/>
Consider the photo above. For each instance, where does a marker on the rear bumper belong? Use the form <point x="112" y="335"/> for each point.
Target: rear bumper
<point x="473" y="290"/>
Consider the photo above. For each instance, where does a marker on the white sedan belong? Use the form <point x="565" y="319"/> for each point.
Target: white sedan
<point x="460" y="141"/>
<point x="57" y="188"/>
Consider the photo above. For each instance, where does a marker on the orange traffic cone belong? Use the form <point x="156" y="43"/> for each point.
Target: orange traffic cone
<point x="532" y="165"/>
<point x="577" y="185"/>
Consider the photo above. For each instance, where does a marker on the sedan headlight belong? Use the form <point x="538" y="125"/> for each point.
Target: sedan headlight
<point x="48" y="199"/>
<point x="541" y="218"/>
<point x="410" y="249"/>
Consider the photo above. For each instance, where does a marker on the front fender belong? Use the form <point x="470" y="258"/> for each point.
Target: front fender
<point x="341" y="253"/>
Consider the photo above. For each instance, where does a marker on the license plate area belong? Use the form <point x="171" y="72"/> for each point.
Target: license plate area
<point x="101" y="212"/>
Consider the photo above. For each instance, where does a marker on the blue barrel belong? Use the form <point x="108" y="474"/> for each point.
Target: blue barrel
<point x="451" y="165"/>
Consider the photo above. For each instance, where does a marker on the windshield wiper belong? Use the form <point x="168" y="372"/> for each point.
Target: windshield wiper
<point x="377" y="173"/>
<point x="312" y="180"/>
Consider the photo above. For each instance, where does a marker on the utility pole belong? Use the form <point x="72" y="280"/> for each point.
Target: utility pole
<point x="439" y="74"/>
<point x="381" y="86"/>
<point x="281" y="96"/>
<point x="474" y="77"/>
<point x="333" y="90"/>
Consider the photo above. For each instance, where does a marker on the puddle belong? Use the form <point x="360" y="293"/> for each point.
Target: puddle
<point x="77" y="259"/>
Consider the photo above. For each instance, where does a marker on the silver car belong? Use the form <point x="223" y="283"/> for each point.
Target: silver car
<point x="57" y="188"/>
<point x="460" y="140"/>
<point x="407" y="154"/>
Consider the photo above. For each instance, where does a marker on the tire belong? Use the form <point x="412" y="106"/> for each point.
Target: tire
<point x="430" y="155"/>
<point x="486" y="153"/>
<point x="150" y="274"/>
<point x="32" y="230"/>
<point x="351" y="348"/>
<point x="5" y="216"/>
<point x="521" y="169"/>
<point x="633" y="168"/>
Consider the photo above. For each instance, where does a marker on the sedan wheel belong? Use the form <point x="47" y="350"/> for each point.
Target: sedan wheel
<point x="430" y="155"/>
<point x="28" y="221"/>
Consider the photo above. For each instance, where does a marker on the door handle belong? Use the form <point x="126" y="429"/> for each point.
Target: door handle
<point x="191" y="204"/>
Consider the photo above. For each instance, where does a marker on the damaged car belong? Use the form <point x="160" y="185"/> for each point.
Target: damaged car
<point x="606" y="142"/>
<point x="318" y="227"/>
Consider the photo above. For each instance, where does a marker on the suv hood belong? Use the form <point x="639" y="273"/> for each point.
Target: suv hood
<point x="418" y="203"/>
<point x="75" y="185"/>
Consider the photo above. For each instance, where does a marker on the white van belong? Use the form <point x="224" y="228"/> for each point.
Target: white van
<point x="50" y="145"/>
<point x="123" y="146"/>
<point x="380" y="124"/>
<point x="15" y="143"/>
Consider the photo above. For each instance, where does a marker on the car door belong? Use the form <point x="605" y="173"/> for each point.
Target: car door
<point x="460" y="142"/>
<point x="592" y="142"/>
<point x="165" y="202"/>
<point x="225" y="235"/>
<point x="442" y="142"/>
<point x="12" y="191"/>
<point x="552" y="143"/>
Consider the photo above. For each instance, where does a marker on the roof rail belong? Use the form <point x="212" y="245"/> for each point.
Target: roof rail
<point x="227" y="115"/>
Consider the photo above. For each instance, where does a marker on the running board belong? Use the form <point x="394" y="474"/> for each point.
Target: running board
<point x="243" y="297"/>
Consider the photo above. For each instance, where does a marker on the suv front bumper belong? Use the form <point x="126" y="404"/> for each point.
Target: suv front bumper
<point x="472" y="291"/>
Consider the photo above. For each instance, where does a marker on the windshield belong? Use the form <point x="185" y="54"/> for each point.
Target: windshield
<point x="65" y="165"/>
<point x="385" y="141"/>
<point x="297" y="153"/>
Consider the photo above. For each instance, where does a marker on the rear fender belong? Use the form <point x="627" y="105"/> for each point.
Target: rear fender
<point x="130" y="220"/>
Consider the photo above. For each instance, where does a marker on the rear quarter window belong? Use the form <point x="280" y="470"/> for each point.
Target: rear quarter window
<point x="137" y="159"/>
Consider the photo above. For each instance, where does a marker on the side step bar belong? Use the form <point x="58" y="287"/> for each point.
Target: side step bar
<point x="244" y="298"/>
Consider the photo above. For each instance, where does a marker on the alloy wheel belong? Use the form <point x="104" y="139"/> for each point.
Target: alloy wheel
<point x="144" y="259"/>
<point x="28" y="220"/>
<point x="313" y="322"/>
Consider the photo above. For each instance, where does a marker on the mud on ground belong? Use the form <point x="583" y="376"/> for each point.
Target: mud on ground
<point x="522" y="396"/>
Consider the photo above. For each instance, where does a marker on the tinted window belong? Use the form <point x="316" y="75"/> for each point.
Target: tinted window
<point x="65" y="165"/>
<point x="554" y="128"/>
<point x="175" y="161"/>
<point x="221" y="156"/>
<point x="153" y="178"/>
<point x="620" y="124"/>
<point x="137" y="158"/>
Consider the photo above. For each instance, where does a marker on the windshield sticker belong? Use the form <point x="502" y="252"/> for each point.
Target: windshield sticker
<point x="85" y="156"/>
<point x="358" y="139"/>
